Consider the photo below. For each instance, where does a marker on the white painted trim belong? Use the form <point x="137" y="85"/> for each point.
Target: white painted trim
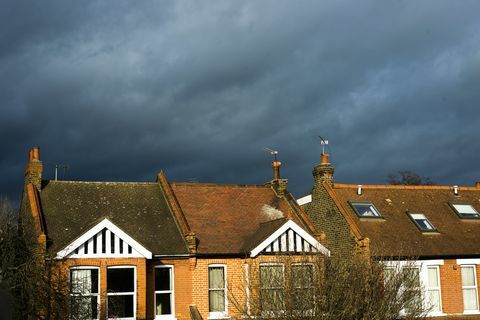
<point x="468" y="261"/>
<point x="219" y="314"/>
<point x="96" y="229"/>
<point x="121" y="294"/>
<point x="295" y="227"/>
<point x="172" y="291"/>
<point x="247" y="287"/>
<point x="304" y="200"/>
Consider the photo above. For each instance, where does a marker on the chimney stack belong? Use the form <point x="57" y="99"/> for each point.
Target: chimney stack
<point x="323" y="171"/>
<point x="477" y="184"/>
<point x="276" y="169"/>
<point x="34" y="168"/>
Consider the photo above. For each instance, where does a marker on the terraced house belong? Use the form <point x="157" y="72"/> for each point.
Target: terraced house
<point x="437" y="226"/>
<point x="160" y="250"/>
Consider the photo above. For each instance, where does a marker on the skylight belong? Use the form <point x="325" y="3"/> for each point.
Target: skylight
<point x="422" y="222"/>
<point x="465" y="210"/>
<point x="365" y="209"/>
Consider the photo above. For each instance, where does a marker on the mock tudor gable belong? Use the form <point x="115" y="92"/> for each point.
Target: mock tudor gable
<point x="290" y="237"/>
<point x="105" y="240"/>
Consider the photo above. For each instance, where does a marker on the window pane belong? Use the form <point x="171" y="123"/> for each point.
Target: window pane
<point x="163" y="303"/>
<point x="162" y="279"/>
<point x="468" y="276"/>
<point x="120" y="306"/>
<point x="216" y="300"/>
<point x="303" y="299"/>
<point x="470" y="299"/>
<point x="120" y="280"/>
<point x="434" y="299"/>
<point x="216" y="278"/>
<point x="302" y="276"/>
<point x="366" y="210"/>
<point x="465" y="209"/>
<point x="433" y="277"/>
<point x="82" y="307"/>
<point x="84" y="281"/>
<point x="412" y="275"/>
<point x="272" y="299"/>
<point x="271" y="276"/>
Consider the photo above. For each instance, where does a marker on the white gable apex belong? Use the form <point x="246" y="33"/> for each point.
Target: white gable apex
<point x="105" y="240"/>
<point x="290" y="237"/>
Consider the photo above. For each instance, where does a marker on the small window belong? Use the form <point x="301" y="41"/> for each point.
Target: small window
<point x="465" y="210"/>
<point x="365" y="209"/>
<point x="121" y="292"/>
<point x="217" y="291"/>
<point x="422" y="222"/>
<point x="163" y="292"/>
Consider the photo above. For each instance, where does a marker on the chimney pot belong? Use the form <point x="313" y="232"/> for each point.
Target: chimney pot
<point x="276" y="169"/>
<point x="325" y="158"/>
<point x="34" y="154"/>
<point x="455" y="190"/>
<point x="359" y="190"/>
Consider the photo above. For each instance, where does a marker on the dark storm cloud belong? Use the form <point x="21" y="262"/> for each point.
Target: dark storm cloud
<point x="120" y="91"/>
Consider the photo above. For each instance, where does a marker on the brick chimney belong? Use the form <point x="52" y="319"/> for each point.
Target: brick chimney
<point x="477" y="184"/>
<point x="323" y="171"/>
<point x="34" y="168"/>
<point x="277" y="184"/>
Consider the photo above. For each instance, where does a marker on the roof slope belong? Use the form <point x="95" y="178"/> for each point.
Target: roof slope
<point x="227" y="219"/>
<point x="139" y="209"/>
<point x="396" y="234"/>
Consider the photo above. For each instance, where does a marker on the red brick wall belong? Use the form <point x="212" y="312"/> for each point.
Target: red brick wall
<point x="451" y="288"/>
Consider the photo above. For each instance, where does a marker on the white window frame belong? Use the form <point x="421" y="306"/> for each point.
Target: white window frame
<point x="473" y="311"/>
<point x="423" y="265"/>
<point x="124" y="293"/>
<point x="474" y="216"/>
<point x="171" y="291"/>
<point x="429" y="288"/>
<point x="98" y="284"/>
<point x="271" y="312"/>
<point x="414" y="216"/>
<point x="376" y="212"/>
<point x="218" y="314"/>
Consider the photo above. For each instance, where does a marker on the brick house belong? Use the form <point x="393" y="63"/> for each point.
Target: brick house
<point x="160" y="250"/>
<point x="436" y="226"/>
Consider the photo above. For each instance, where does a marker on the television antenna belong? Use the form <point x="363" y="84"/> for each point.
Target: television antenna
<point x="65" y="167"/>
<point x="324" y="143"/>
<point x="272" y="152"/>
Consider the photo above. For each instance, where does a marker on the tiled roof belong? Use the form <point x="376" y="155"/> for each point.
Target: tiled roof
<point x="139" y="209"/>
<point x="227" y="219"/>
<point x="395" y="234"/>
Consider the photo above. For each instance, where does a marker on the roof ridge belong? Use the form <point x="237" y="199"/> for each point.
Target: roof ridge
<point x="101" y="182"/>
<point x="387" y="186"/>
<point x="214" y="185"/>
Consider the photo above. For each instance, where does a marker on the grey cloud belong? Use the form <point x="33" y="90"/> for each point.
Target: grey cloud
<point x="120" y="91"/>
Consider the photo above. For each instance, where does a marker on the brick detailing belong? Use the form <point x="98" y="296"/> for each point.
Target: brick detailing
<point x="327" y="217"/>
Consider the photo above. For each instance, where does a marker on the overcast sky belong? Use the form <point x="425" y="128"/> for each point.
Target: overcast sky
<point x="119" y="90"/>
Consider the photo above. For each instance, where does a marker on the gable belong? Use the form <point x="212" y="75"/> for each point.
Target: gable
<point x="105" y="240"/>
<point x="290" y="237"/>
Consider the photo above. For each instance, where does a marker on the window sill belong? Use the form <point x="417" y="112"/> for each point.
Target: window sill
<point x="471" y="312"/>
<point x="437" y="314"/>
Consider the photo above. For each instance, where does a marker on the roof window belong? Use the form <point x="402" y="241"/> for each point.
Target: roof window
<point x="422" y="222"/>
<point x="365" y="210"/>
<point x="465" y="210"/>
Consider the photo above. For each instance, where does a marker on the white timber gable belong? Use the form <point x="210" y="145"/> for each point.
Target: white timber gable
<point x="105" y="240"/>
<point x="290" y="237"/>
